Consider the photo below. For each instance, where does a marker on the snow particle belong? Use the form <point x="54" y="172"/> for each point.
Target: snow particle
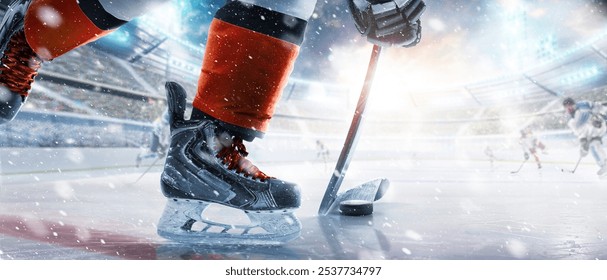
<point x="516" y="248"/>
<point x="49" y="16"/>
<point x="413" y="235"/>
<point x="64" y="190"/>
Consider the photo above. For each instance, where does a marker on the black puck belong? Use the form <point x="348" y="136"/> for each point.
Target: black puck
<point x="356" y="207"/>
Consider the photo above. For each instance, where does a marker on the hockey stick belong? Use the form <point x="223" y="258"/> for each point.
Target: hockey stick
<point x="352" y="139"/>
<point x="146" y="171"/>
<point x="520" y="167"/>
<point x="575" y="168"/>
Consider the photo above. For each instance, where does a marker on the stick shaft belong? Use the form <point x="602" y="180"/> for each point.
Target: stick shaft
<point x="519" y="168"/>
<point x="576" y="165"/>
<point x="352" y="139"/>
<point x="147" y="170"/>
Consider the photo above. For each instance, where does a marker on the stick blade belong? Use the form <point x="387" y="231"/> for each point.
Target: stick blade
<point x="369" y="191"/>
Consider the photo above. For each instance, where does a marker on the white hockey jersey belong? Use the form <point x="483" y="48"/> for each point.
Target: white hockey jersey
<point x="588" y="121"/>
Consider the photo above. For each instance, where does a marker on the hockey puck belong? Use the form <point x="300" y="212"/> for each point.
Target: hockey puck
<point x="356" y="207"/>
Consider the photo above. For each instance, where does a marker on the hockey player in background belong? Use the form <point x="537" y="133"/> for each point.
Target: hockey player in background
<point x="322" y="152"/>
<point x="489" y="153"/>
<point x="587" y="121"/>
<point x="251" y="48"/>
<point x="531" y="145"/>
<point x="159" y="141"/>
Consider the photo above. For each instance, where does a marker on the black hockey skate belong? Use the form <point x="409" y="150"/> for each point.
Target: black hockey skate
<point x="206" y="165"/>
<point x="19" y="63"/>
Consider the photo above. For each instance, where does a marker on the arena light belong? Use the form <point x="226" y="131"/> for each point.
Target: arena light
<point x="581" y="75"/>
<point x="119" y="36"/>
<point x="166" y="20"/>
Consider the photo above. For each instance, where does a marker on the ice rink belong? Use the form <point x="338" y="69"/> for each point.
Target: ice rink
<point x="86" y="204"/>
<point x="447" y="124"/>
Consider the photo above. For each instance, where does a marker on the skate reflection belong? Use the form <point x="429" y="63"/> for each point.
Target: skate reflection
<point x="353" y="237"/>
<point x="99" y="244"/>
<point x="178" y="251"/>
<point x="328" y="237"/>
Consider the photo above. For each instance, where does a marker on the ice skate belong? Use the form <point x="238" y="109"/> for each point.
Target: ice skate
<point x="603" y="171"/>
<point x="19" y="63"/>
<point x="207" y="165"/>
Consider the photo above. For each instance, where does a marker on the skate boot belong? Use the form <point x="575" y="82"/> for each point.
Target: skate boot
<point x="19" y="63"/>
<point x="603" y="171"/>
<point x="206" y="165"/>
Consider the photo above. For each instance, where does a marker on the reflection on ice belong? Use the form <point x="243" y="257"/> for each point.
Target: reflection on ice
<point x="516" y="248"/>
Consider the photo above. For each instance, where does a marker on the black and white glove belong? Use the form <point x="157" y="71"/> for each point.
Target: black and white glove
<point x="597" y="121"/>
<point x="584" y="147"/>
<point x="389" y="22"/>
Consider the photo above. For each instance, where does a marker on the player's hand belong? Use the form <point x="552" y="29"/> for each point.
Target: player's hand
<point x="526" y="155"/>
<point x="389" y="22"/>
<point x="597" y="121"/>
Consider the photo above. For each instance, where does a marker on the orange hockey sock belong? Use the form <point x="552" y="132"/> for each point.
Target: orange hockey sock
<point x="249" y="55"/>
<point x="54" y="27"/>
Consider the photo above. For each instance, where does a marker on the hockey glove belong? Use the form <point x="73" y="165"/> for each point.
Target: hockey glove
<point x="584" y="147"/>
<point x="526" y="155"/>
<point x="389" y="22"/>
<point x="597" y="121"/>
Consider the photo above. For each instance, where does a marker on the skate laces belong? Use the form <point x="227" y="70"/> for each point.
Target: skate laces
<point x="19" y="65"/>
<point x="234" y="157"/>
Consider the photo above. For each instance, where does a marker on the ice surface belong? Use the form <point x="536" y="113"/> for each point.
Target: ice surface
<point x="437" y="207"/>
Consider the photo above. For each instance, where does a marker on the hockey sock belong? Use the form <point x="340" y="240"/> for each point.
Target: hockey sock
<point x="54" y="27"/>
<point x="249" y="55"/>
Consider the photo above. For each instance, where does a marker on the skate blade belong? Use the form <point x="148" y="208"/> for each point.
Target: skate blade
<point x="182" y="221"/>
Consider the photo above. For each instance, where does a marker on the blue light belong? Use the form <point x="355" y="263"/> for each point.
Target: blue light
<point x="581" y="75"/>
<point x="119" y="36"/>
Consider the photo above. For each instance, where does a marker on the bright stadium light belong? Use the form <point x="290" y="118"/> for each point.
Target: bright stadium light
<point x="580" y="75"/>
<point x="166" y="18"/>
<point x="119" y="36"/>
